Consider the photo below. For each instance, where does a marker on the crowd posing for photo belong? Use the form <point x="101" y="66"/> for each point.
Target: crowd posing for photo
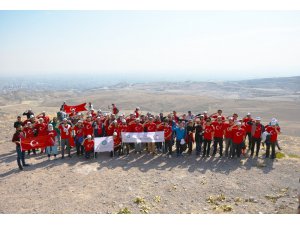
<point x="205" y="134"/>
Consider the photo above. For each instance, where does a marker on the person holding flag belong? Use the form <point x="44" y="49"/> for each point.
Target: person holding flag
<point x="18" y="135"/>
<point x="29" y="132"/>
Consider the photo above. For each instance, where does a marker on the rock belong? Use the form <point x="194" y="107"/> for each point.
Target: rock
<point x="205" y="209"/>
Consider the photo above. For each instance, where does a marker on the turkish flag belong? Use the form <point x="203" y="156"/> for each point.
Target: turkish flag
<point x="36" y="142"/>
<point x="78" y="108"/>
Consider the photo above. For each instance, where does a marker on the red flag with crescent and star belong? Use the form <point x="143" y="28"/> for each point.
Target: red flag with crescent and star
<point x="77" y="108"/>
<point x="36" y="142"/>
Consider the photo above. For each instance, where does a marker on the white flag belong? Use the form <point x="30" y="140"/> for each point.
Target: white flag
<point x="142" y="137"/>
<point x="104" y="144"/>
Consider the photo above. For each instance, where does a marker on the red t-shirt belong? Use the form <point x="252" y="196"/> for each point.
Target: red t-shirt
<point x="110" y="130"/>
<point x="98" y="126"/>
<point x="247" y="126"/>
<point x="117" y="141"/>
<point x="122" y="128"/>
<point x="272" y="132"/>
<point x="168" y="132"/>
<point x="219" y="129"/>
<point x="208" y="130"/>
<point x="137" y="128"/>
<point x="28" y="132"/>
<point x="151" y="127"/>
<point x="65" y="131"/>
<point x="88" y="145"/>
<point x="45" y="118"/>
<point x="238" y="135"/>
<point x="258" y="130"/>
<point x="78" y="131"/>
<point x="228" y="133"/>
<point x="41" y="128"/>
<point x="87" y="128"/>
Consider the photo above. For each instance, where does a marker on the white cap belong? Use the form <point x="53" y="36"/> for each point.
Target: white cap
<point x="138" y="108"/>
<point x="65" y="119"/>
<point x="79" y="121"/>
<point x="274" y="119"/>
<point x="115" y="121"/>
<point x="28" y="122"/>
<point x="89" y="136"/>
<point x="99" y="110"/>
<point x="44" y="112"/>
<point x="239" y="123"/>
<point x="105" y="114"/>
<point x="137" y="119"/>
<point x="248" y="114"/>
<point x="205" y="112"/>
<point x="230" y="118"/>
<point x="31" y="116"/>
<point x="219" y="116"/>
<point x="115" y="134"/>
<point x="123" y="121"/>
<point x="50" y="125"/>
<point x="258" y="118"/>
<point x="273" y="123"/>
<point x="98" y="117"/>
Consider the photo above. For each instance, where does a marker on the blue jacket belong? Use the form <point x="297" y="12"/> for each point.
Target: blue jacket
<point x="180" y="132"/>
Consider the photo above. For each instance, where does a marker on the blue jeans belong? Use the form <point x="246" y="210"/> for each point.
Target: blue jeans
<point x="20" y="156"/>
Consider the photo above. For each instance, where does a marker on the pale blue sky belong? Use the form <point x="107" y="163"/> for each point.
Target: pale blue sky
<point x="195" y="45"/>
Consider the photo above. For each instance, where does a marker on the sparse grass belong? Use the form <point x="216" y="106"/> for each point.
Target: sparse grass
<point x="139" y="200"/>
<point x="293" y="156"/>
<point x="280" y="155"/>
<point x="124" y="211"/>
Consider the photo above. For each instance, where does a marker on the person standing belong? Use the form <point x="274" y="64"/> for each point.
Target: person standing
<point x="238" y="139"/>
<point x="180" y="138"/>
<point x="137" y="127"/>
<point x="228" y="136"/>
<point x="208" y="137"/>
<point x="273" y="130"/>
<point x="198" y="136"/>
<point x="256" y="131"/>
<point x="78" y="137"/>
<point x="53" y="148"/>
<point x="29" y="132"/>
<point x="168" y="137"/>
<point x="151" y="127"/>
<point x="218" y="135"/>
<point x="18" y="135"/>
<point x="248" y="121"/>
<point x="190" y="130"/>
<point x="65" y="132"/>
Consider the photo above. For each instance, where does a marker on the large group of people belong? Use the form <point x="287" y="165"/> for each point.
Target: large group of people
<point x="206" y="132"/>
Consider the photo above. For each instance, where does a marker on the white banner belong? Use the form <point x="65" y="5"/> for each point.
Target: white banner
<point x="104" y="144"/>
<point x="142" y="137"/>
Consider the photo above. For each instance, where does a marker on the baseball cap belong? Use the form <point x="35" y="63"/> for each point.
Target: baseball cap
<point x="258" y="118"/>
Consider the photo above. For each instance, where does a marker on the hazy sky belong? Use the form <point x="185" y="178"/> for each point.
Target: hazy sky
<point x="193" y="45"/>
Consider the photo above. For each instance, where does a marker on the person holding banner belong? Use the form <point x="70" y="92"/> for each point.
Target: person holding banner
<point x="117" y="144"/>
<point x="20" y="154"/>
<point x="138" y="127"/>
<point x="123" y="128"/>
<point x="65" y="133"/>
<point x="53" y="148"/>
<point x="151" y="127"/>
<point x="88" y="145"/>
<point x="180" y="136"/>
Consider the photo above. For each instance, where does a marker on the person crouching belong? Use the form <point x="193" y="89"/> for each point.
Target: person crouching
<point x="117" y="144"/>
<point x="88" y="145"/>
